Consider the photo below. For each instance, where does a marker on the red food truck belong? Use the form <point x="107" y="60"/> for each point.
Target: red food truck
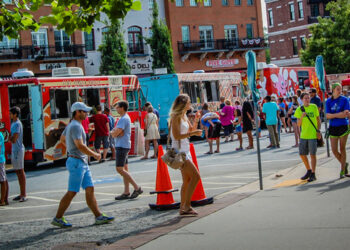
<point x="45" y="108"/>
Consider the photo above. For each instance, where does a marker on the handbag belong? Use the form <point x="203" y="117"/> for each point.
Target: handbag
<point x="320" y="142"/>
<point x="172" y="157"/>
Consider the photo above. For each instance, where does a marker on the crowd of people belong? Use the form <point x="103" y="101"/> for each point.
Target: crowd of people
<point x="300" y="114"/>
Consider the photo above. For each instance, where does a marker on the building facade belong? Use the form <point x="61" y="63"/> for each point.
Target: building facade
<point x="41" y="51"/>
<point x="288" y="26"/>
<point x="214" y="35"/>
<point x="136" y="24"/>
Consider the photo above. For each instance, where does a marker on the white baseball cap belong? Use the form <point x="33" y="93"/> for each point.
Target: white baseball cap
<point x="80" y="106"/>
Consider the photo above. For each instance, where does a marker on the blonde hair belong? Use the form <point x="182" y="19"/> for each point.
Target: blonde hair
<point x="228" y="102"/>
<point x="178" y="108"/>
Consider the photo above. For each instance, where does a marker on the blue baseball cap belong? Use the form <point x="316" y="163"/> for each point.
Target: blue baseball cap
<point x="80" y="106"/>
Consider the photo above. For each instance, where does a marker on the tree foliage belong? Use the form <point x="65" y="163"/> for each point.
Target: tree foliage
<point x="162" y="52"/>
<point x="69" y="15"/>
<point x="331" y="39"/>
<point x="113" y="52"/>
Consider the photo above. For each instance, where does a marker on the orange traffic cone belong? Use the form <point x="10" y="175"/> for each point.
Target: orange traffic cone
<point x="164" y="188"/>
<point x="198" y="197"/>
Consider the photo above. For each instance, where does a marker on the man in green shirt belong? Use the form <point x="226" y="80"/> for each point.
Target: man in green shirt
<point x="309" y="135"/>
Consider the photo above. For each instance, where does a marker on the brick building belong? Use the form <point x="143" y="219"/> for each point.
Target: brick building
<point x="288" y="25"/>
<point x="41" y="51"/>
<point x="214" y="35"/>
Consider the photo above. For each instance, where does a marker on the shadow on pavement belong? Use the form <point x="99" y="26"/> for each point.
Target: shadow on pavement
<point x="328" y="186"/>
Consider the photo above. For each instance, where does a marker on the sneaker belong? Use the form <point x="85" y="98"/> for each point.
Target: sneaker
<point x="342" y="174"/>
<point x="306" y="176"/>
<point x="136" y="193"/>
<point x="103" y="219"/>
<point x="122" y="197"/>
<point x="312" y="177"/>
<point x="62" y="223"/>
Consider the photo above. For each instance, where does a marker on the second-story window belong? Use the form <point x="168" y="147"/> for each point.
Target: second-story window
<point x="151" y="4"/>
<point x="237" y="2"/>
<point x="295" y="46"/>
<point x="179" y="3"/>
<point x="89" y="40"/>
<point x="291" y="12"/>
<point x="231" y="36"/>
<point x="224" y="2"/>
<point x="270" y="16"/>
<point x="207" y="3"/>
<point x="303" y="42"/>
<point x="7" y="43"/>
<point x="315" y="12"/>
<point x="206" y="37"/>
<point x="249" y="2"/>
<point x="193" y="3"/>
<point x="249" y="30"/>
<point x="185" y="33"/>
<point x="135" y="40"/>
<point x="62" y="41"/>
<point x="301" y="9"/>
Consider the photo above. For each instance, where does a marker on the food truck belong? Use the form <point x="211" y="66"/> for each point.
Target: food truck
<point x="45" y="108"/>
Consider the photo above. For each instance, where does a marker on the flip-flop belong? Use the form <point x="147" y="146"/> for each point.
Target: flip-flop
<point x="209" y="153"/>
<point x="216" y="151"/>
<point x="188" y="213"/>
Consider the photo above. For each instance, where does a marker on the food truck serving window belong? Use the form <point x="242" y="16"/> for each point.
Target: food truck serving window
<point x="61" y="101"/>
<point x="193" y="91"/>
<point x="303" y="79"/>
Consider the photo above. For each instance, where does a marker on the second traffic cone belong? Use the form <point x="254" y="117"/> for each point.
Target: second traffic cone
<point x="198" y="198"/>
<point x="164" y="187"/>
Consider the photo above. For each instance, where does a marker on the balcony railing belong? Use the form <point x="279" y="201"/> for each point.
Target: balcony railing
<point x="42" y="52"/>
<point x="313" y="19"/>
<point x="318" y="1"/>
<point x="220" y="45"/>
<point x="137" y="49"/>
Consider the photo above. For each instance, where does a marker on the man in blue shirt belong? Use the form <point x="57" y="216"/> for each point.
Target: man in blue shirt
<point x="315" y="99"/>
<point x="271" y="119"/>
<point x="3" y="180"/>
<point x="122" y="133"/>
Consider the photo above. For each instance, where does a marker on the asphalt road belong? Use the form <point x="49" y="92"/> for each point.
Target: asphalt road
<point x="28" y="224"/>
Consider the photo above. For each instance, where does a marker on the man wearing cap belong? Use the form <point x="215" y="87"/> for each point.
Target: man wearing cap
<point x="77" y="165"/>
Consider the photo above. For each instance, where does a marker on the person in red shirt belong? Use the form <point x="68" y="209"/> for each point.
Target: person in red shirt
<point x="101" y="124"/>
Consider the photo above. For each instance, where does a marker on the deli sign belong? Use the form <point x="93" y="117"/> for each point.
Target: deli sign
<point x="221" y="63"/>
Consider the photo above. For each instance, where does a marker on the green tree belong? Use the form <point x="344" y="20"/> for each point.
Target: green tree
<point x="331" y="39"/>
<point x="69" y="15"/>
<point x="162" y="52"/>
<point x="113" y="52"/>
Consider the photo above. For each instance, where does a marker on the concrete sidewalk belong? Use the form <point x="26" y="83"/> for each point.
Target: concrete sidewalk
<point x="288" y="214"/>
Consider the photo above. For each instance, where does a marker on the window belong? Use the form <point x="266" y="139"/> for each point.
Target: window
<point x="193" y="3"/>
<point x="224" y="2"/>
<point x="207" y="3"/>
<point x="61" y="101"/>
<point x="39" y="38"/>
<point x="62" y="40"/>
<point x="291" y="12"/>
<point x="326" y="12"/>
<point x="179" y="3"/>
<point x="185" y="33"/>
<point x="249" y="2"/>
<point x="151" y="4"/>
<point x="7" y="43"/>
<point x="295" y="46"/>
<point x="193" y="91"/>
<point x="135" y="43"/>
<point x="249" y="30"/>
<point x="212" y="91"/>
<point x="315" y="12"/>
<point x="7" y="1"/>
<point x="303" y="42"/>
<point x="301" y="9"/>
<point x="231" y="36"/>
<point x="104" y="32"/>
<point x="302" y="77"/>
<point x="206" y="37"/>
<point x="270" y="16"/>
<point x="89" y="40"/>
<point x="237" y="2"/>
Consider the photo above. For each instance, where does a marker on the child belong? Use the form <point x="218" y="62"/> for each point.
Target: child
<point x="237" y="123"/>
<point x="3" y="180"/>
<point x="259" y="124"/>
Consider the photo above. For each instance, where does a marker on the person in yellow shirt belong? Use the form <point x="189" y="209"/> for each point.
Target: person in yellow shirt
<point x="309" y="134"/>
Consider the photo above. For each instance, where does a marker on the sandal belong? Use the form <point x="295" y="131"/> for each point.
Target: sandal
<point x="122" y="197"/>
<point x="216" y="151"/>
<point x="153" y="157"/>
<point x="189" y="212"/>
<point x="209" y="153"/>
<point x="239" y="149"/>
<point x="249" y="148"/>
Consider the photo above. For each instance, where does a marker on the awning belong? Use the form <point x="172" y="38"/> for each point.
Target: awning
<point x="345" y="82"/>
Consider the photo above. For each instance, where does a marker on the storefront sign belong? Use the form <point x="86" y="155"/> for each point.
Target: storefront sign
<point x="143" y="67"/>
<point x="49" y="66"/>
<point x="222" y="63"/>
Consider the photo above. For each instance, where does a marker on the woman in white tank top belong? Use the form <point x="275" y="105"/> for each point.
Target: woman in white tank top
<point x="181" y="130"/>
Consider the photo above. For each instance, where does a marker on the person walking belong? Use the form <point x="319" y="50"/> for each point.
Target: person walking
<point x="226" y="118"/>
<point x="3" y="179"/>
<point x="180" y="130"/>
<point x="308" y="138"/>
<point x="111" y="123"/>
<point x="101" y="124"/>
<point x="270" y="109"/>
<point x="337" y="112"/>
<point x="74" y="138"/>
<point x="17" y="153"/>
<point x="294" y="120"/>
<point x="213" y="124"/>
<point x="152" y="132"/>
<point x="248" y="120"/>
<point x="282" y="112"/>
<point x="122" y="134"/>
